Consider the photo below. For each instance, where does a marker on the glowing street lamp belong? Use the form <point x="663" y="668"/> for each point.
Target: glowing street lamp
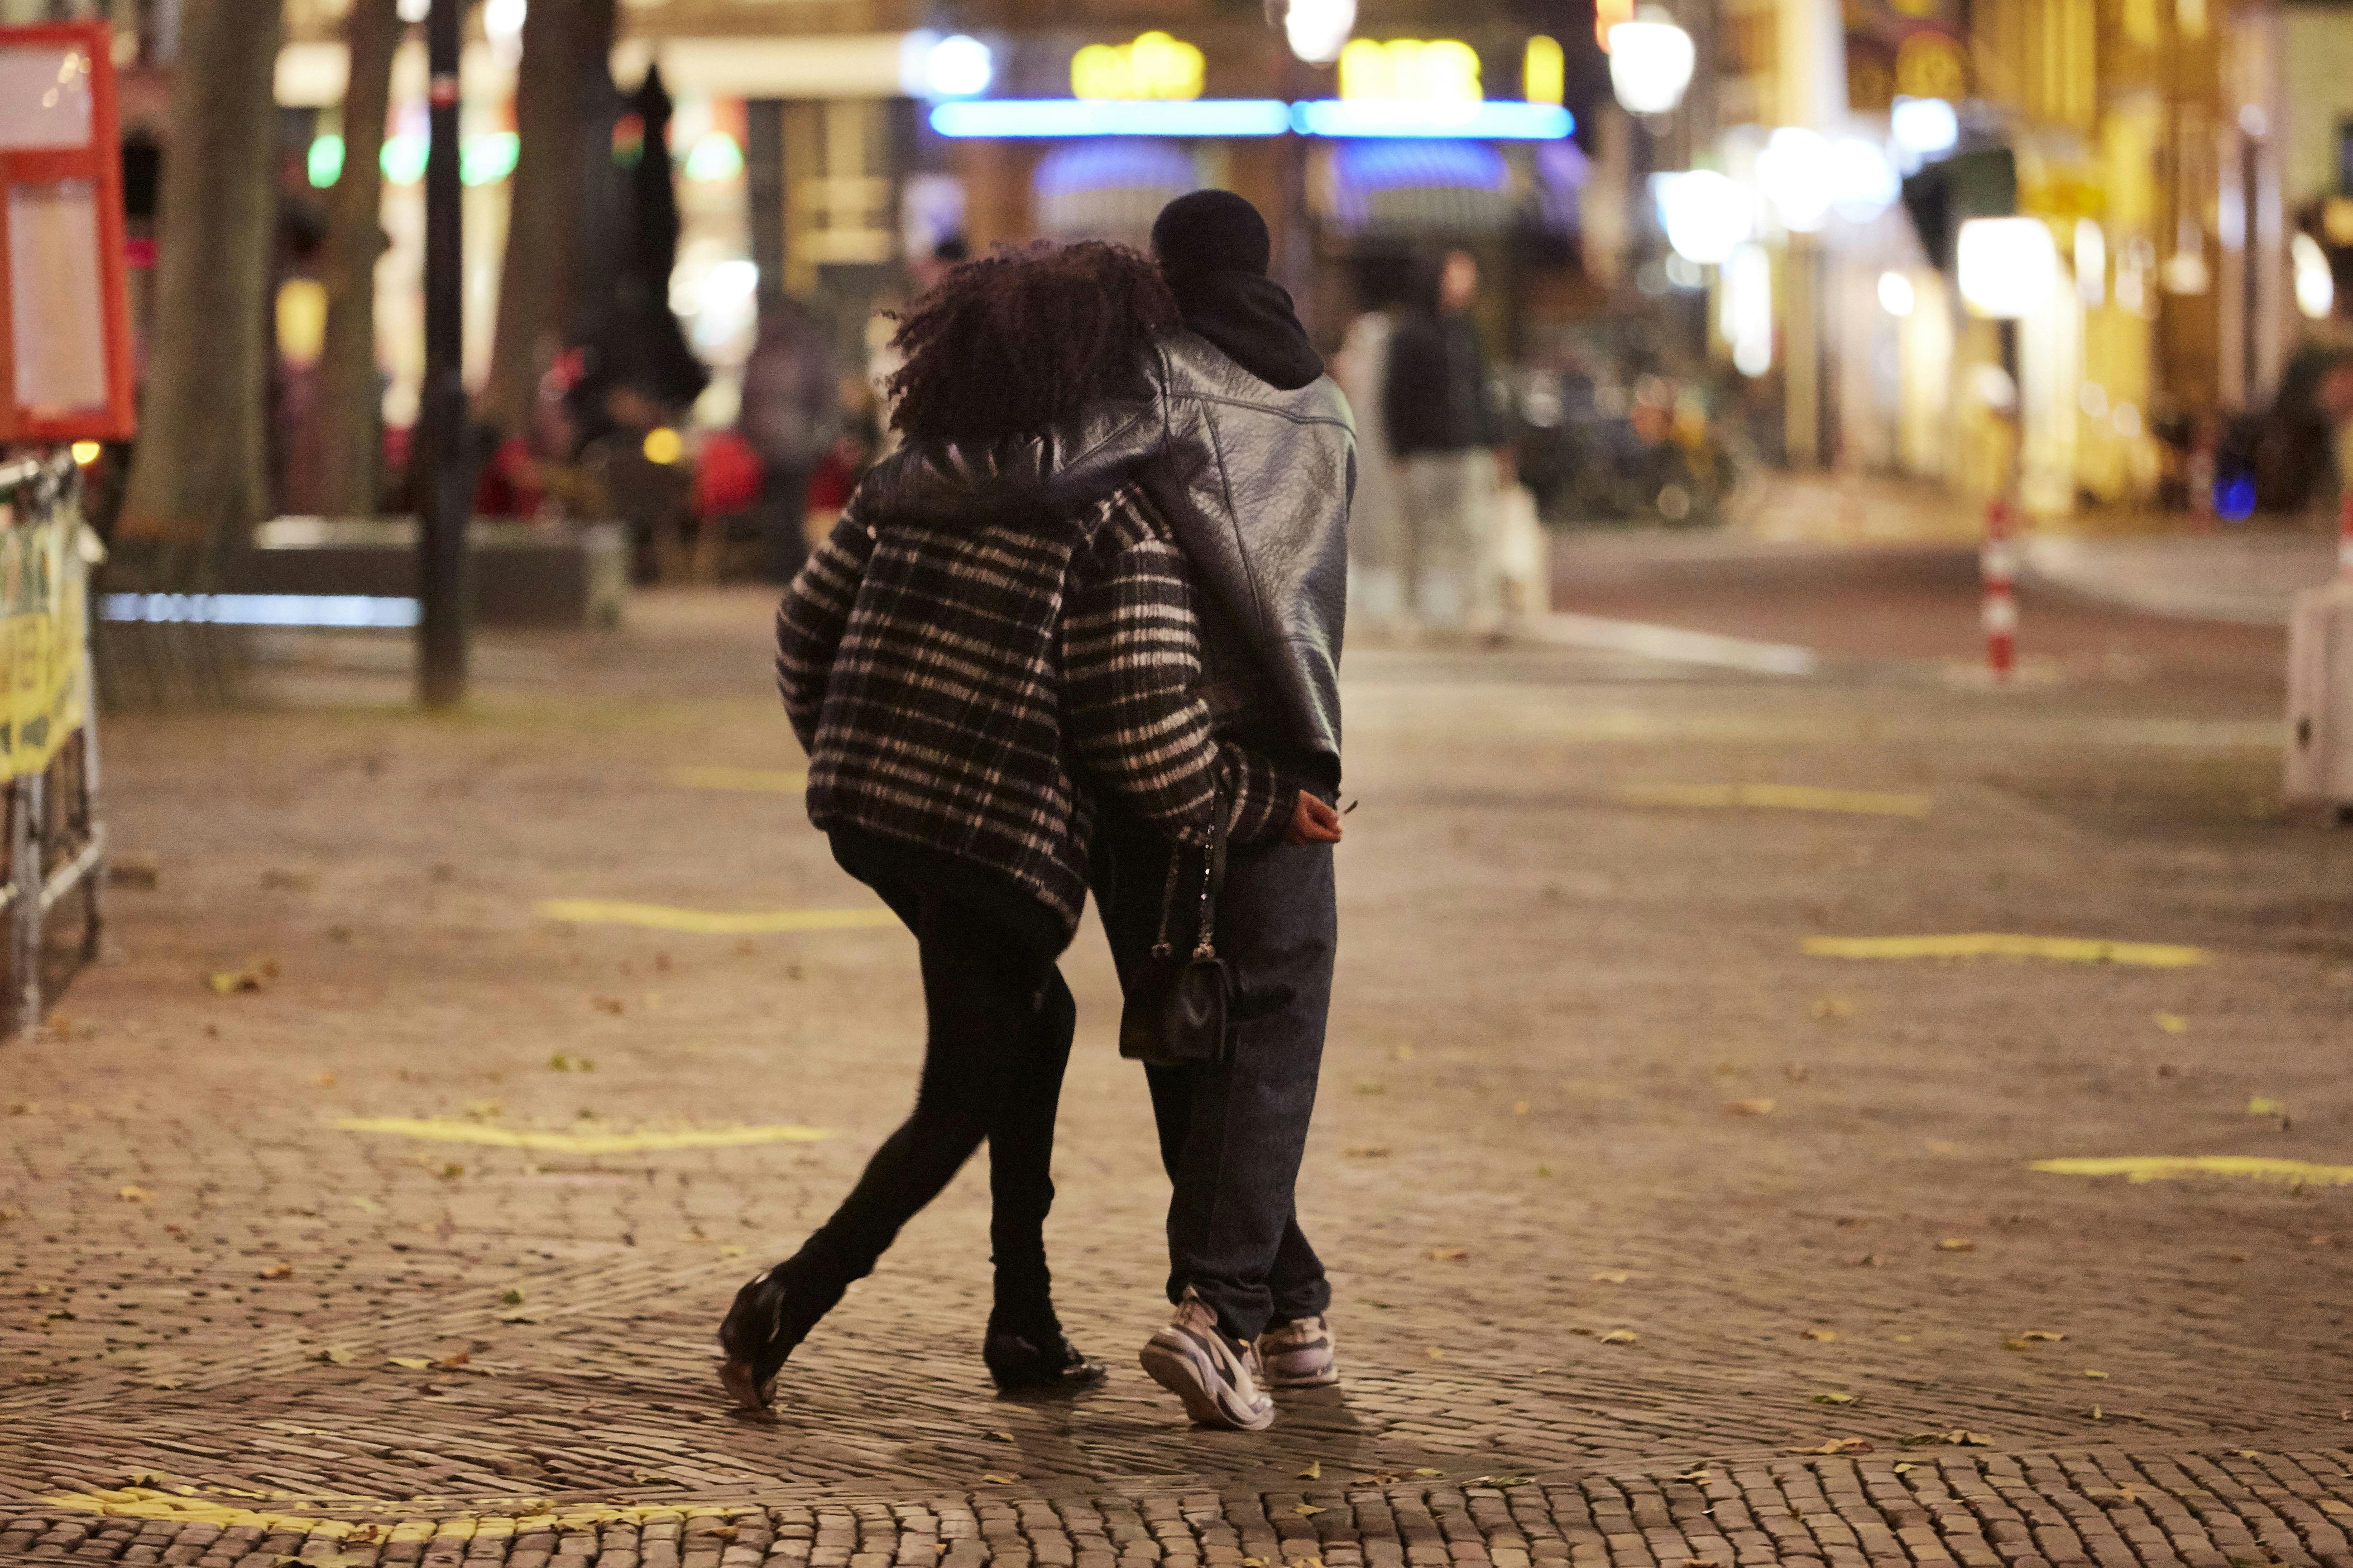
<point x="1650" y="62"/>
<point x="1706" y="215"/>
<point x="1317" y="30"/>
<point x="2008" y="266"/>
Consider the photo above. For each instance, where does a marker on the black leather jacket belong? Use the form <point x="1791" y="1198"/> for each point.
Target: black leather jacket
<point x="1255" y="482"/>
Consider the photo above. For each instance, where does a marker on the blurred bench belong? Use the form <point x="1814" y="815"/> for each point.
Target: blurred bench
<point x="524" y="573"/>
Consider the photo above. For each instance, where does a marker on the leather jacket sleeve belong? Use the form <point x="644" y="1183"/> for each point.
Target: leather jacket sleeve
<point x="1054" y="472"/>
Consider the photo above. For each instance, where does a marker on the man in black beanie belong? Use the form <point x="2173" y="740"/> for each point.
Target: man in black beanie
<point x="1247" y="1287"/>
<point x="1213" y="248"/>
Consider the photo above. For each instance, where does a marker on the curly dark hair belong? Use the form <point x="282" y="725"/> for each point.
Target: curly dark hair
<point x="1022" y="338"/>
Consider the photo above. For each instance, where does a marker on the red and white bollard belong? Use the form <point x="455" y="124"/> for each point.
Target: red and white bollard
<point x="1999" y="566"/>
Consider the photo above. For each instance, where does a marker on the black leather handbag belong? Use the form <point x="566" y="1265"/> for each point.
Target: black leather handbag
<point x="1176" y="1010"/>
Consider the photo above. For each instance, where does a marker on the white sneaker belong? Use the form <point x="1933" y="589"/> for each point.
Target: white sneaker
<point x="1200" y="1365"/>
<point x="1296" y="1354"/>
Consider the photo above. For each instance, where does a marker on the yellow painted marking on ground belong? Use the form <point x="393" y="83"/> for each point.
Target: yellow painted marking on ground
<point x="710" y="922"/>
<point x="417" y="1519"/>
<point x="440" y="1130"/>
<point x="1777" y="798"/>
<point x="2003" y="944"/>
<point x="768" y="781"/>
<point x="2173" y="1167"/>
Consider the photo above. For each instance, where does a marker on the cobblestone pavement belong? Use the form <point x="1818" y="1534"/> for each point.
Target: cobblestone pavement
<point x="1629" y="1195"/>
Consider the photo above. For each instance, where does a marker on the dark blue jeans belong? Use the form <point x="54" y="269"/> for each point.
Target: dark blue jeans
<point x="1231" y="1136"/>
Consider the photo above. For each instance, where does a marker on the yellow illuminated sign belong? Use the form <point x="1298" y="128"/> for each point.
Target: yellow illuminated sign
<point x="1543" y="71"/>
<point x="1436" y="70"/>
<point x="1154" y="65"/>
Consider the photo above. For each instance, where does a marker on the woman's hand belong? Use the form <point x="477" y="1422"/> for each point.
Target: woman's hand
<point x="1312" y="822"/>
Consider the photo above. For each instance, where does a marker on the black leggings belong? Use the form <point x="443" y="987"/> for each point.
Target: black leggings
<point x="999" y="1019"/>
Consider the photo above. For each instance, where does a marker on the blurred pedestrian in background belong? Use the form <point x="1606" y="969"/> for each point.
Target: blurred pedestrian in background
<point x="791" y="414"/>
<point x="1376" y="558"/>
<point x="1444" y="432"/>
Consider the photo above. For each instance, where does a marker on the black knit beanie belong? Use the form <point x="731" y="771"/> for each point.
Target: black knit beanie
<point x="1210" y="231"/>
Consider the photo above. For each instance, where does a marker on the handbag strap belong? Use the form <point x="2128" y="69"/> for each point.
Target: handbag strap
<point x="1213" y="877"/>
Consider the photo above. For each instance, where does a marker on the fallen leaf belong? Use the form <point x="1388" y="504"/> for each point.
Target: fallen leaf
<point x="2334" y="1505"/>
<point x="1825" y="1336"/>
<point x="1869" y="1260"/>
<point x="1957" y="1244"/>
<point x="1836" y="1446"/>
<point x="334" y="1355"/>
<point x="1905" y="1469"/>
<point x="229" y="982"/>
<point x="993" y="1478"/>
<point x="409" y="1362"/>
<point x="2257" y="1105"/>
<point x="167" y="1383"/>
<point x="518" y="1316"/>
<point x="275" y="1271"/>
<point x="1001" y="1437"/>
<point x="565" y="1062"/>
<point x="511" y="1297"/>
<point x="1749" y="1107"/>
<point x="135" y="1196"/>
<point x="2089" y="1373"/>
<point x="2171" y="1023"/>
<point x="1429" y="1474"/>
<point x="733" y="1251"/>
<point x="1612" y="1277"/>
<point x="367" y="1205"/>
<point x="2096" y="1415"/>
<point x="1305" y="1510"/>
<point x="654" y="1478"/>
<point x="1620" y="1337"/>
<point x="1450" y="1254"/>
<point x="1834" y="1399"/>
<point x="1955" y="1438"/>
<point x="1698" y="1475"/>
<point x="2041" y="1336"/>
<point x="1434" y="1354"/>
<point x="1314" y="1472"/>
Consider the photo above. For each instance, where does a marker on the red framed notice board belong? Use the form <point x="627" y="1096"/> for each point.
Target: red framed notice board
<point x="65" y="329"/>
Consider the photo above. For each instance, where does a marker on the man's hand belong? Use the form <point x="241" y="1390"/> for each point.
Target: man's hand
<point x="1312" y="822"/>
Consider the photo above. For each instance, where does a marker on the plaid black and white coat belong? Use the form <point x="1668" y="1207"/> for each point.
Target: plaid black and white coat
<point x="970" y="688"/>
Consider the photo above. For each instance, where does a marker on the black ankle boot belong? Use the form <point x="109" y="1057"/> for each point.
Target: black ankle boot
<point x="773" y="1314"/>
<point x="1038" y="1357"/>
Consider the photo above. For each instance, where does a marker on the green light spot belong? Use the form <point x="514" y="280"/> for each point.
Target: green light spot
<point x="487" y="159"/>
<point x="714" y="157"/>
<point x="326" y="161"/>
<point x="403" y="157"/>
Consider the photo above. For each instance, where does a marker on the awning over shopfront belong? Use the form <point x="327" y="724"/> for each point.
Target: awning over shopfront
<point x="1462" y="187"/>
<point x="1109" y="190"/>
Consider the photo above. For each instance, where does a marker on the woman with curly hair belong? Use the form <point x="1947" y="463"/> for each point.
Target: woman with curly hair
<point x="966" y="689"/>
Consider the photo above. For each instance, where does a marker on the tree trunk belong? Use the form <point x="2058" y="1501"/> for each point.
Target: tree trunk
<point x="566" y="46"/>
<point x="198" y="477"/>
<point x="351" y="398"/>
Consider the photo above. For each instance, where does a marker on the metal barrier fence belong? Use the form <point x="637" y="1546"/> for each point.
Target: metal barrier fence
<point x="56" y="845"/>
